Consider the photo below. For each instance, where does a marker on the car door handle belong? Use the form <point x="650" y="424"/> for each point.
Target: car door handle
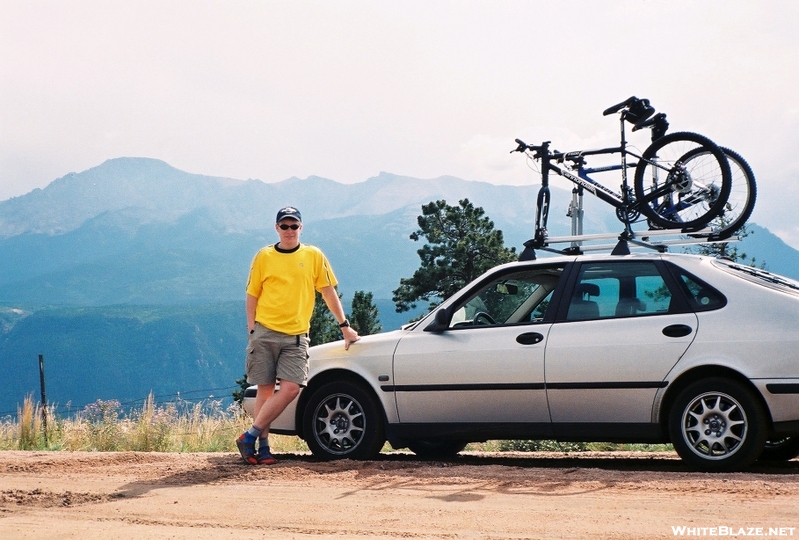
<point x="529" y="338"/>
<point x="677" y="330"/>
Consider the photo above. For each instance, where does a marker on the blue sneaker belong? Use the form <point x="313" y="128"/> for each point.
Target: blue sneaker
<point x="265" y="457"/>
<point x="246" y="445"/>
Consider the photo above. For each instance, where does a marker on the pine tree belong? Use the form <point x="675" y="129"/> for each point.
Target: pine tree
<point x="365" y="317"/>
<point x="238" y="394"/>
<point x="462" y="244"/>
<point x="324" y="327"/>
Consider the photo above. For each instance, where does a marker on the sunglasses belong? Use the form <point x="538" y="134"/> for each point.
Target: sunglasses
<point x="287" y="227"/>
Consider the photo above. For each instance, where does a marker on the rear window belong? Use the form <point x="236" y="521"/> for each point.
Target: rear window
<point x="759" y="276"/>
<point x="700" y="295"/>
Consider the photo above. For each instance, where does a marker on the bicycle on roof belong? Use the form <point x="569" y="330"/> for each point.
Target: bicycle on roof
<point x="682" y="180"/>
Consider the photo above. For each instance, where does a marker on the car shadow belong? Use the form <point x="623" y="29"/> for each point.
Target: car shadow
<point x="228" y="467"/>
<point x="611" y="461"/>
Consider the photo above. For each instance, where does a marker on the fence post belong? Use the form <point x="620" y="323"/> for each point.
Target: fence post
<point x="44" y="397"/>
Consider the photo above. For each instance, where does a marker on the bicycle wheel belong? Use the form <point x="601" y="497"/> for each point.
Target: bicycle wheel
<point x="743" y="192"/>
<point x="675" y="194"/>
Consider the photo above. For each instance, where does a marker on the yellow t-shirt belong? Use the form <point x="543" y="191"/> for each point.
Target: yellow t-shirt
<point x="284" y="284"/>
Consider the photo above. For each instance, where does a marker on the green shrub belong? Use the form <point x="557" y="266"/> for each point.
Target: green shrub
<point x="542" y="446"/>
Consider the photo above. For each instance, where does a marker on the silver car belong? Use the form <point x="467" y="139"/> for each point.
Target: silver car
<point x="643" y="348"/>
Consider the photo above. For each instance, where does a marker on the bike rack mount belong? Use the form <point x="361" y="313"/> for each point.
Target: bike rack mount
<point x="649" y="239"/>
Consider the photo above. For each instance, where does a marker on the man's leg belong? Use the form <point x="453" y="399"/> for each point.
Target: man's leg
<point x="268" y="411"/>
<point x="259" y="365"/>
<point x="274" y="405"/>
<point x="264" y="392"/>
<point x="291" y="356"/>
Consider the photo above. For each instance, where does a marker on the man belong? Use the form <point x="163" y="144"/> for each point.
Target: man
<point x="280" y="301"/>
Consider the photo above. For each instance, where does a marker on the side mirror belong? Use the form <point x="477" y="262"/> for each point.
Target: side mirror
<point x="440" y="321"/>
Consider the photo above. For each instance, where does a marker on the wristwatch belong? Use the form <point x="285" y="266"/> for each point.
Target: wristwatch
<point x="345" y="324"/>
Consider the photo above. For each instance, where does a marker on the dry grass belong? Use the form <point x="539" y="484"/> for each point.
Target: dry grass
<point x="103" y="426"/>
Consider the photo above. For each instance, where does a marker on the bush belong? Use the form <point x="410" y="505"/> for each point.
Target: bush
<point x="542" y="446"/>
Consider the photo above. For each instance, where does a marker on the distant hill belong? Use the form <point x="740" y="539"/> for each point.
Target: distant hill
<point x="123" y="353"/>
<point x="130" y="276"/>
<point x="767" y="248"/>
<point x="181" y="237"/>
<point x="150" y="191"/>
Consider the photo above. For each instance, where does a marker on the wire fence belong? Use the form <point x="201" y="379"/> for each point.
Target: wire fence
<point x="180" y="397"/>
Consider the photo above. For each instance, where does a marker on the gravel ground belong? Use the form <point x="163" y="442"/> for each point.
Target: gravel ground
<point x="477" y="495"/>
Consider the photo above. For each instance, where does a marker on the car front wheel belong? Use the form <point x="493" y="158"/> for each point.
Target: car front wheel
<point x="718" y="424"/>
<point x="342" y="420"/>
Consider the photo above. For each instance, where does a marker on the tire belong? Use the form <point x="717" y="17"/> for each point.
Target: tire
<point x="784" y="449"/>
<point x="436" y="449"/>
<point x="343" y="421"/>
<point x="743" y="192"/>
<point x="718" y="425"/>
<point x="678" y="195"/>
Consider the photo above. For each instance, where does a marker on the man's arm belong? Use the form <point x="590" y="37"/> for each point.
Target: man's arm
<point x="250" y="310"/>
<point x="333" y="302"/>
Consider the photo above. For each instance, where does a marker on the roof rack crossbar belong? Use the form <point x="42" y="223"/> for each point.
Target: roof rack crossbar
<point x="639" y="239"/>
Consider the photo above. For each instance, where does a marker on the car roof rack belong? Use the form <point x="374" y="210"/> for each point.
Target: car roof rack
<point x="581" y="243"/>
<point x="651" y="239"/>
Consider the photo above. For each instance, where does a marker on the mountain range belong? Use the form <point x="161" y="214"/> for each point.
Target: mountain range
<point x="129" y="277"/>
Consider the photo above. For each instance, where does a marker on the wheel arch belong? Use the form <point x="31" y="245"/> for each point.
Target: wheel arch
<point x="699" y="373"/>
<point x="321" y="379"/>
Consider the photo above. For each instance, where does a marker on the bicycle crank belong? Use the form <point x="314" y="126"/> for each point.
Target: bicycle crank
<point x="627" y="214"/>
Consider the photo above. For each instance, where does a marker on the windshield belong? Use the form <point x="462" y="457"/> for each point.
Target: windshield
<point x="760" y="276"/>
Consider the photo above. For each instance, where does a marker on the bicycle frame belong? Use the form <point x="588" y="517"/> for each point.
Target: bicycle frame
<point x="629" y="207"/>
<point x="672" y="189"/>
<point x="623" y="202"/>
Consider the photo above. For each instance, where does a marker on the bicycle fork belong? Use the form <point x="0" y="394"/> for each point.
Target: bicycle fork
<point x="542" y="202"/>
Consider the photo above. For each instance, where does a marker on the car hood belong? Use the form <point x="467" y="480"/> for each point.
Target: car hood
<point x="383" y="343"/>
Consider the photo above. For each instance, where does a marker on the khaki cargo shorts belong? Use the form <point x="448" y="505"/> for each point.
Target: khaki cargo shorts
<point x="275" y="356"/>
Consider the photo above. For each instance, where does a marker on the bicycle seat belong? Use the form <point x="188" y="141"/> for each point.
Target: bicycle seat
<point x="635" y="110"/>
<point x="619" y="106"/>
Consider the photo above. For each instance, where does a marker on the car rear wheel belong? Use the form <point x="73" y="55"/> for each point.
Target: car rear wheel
<point x="718" y="424"/>
<point x="784" y="449"/>
<point x="342" y="420"/>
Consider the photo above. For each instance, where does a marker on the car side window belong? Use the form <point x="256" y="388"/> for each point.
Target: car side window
<point x="618" y="289"/>
<point x="701" y="296"/>
<point x="514" y="298"/>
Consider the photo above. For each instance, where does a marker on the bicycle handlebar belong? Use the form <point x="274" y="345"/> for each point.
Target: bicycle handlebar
<point x="543" y="148"/>
<point x="521" y="148"/>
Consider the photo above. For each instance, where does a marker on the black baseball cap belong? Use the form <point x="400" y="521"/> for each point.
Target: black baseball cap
<point x="288" y="212"/>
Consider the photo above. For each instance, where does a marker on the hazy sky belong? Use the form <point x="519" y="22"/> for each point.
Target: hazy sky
<point x="344" y="90"/>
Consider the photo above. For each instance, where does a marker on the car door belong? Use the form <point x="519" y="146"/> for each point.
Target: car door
<point x="614" y="343"/>
<point x="487" y="364"/>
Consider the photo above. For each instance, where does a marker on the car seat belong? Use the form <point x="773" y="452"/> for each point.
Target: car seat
<point x="628" y="307"/>
<point x="581" y="306"/>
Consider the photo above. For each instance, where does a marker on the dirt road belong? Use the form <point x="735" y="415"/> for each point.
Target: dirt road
<point x="547" y="495"/>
